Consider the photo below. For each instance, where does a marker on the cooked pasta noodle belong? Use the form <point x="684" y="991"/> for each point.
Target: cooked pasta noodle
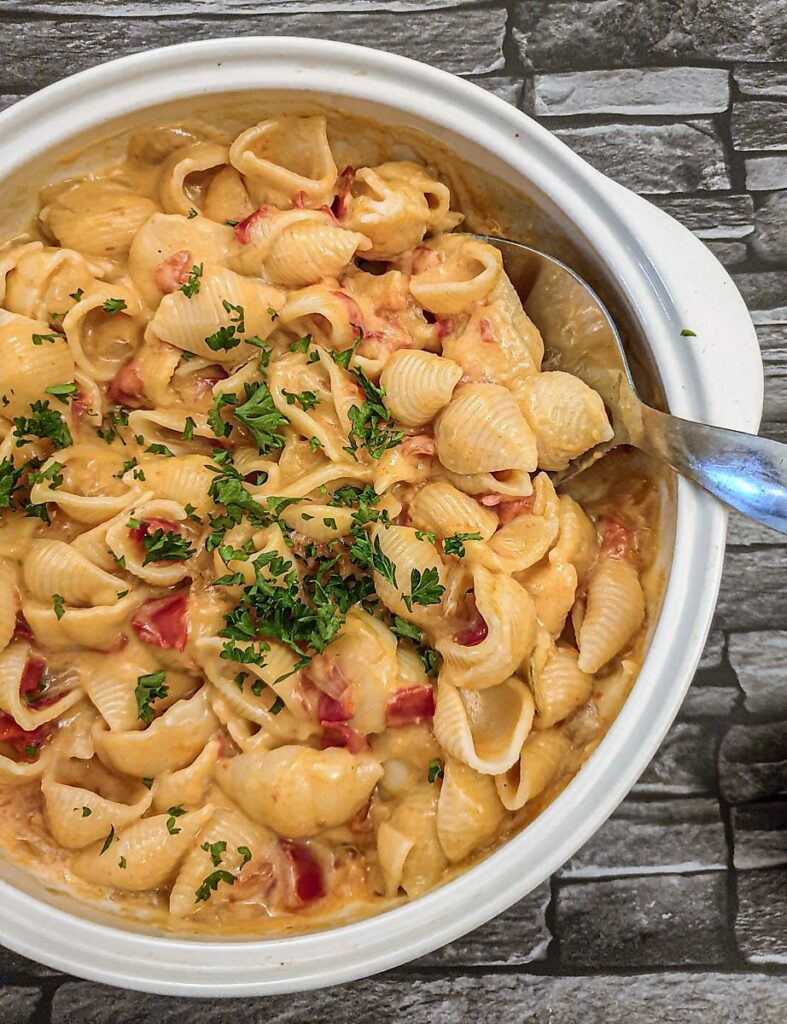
<point x="292" y="619"/>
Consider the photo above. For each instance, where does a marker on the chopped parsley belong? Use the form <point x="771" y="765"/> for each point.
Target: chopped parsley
<point x="113" y="306"/>
<point x="686" y="333"/>
<point x="406" y="630"/>
<point x="77" y="295"/>
<point x="62" y="391"/>
<point x="237" y="315"/>
<point x="276" y="706"/>
<point x="147" y="782"/>
<point x="160" y="449"/>
<point x="188" y="429"/>
<point x="122" y="862"/>
<point x="371" y="421"/>
<point x="425" y="588"/>
<point x="245" y="853"/>
<point x="216" y="422"/>
<point x="149" y="688"/>
<point x="166" y="546"/>
<point x="86" y="812"/>
<point x="42" y="423"/>
<point x="301" y="344"/>
<point x="305" y="399"/>
<point x="108" y="841"/>
<point x="455" y="544"/>
<point x="57" y="603"/>
<point x="174" y="813"/>
<point x="223" y="339"/>
<point x="211" y="884"/>
<point x="343" y="358"/>
<point x="193" y="282"/>
<point x="9" y="478"/>
<point x="39" y="339"/>
<point x="192" y="214"/>
<point x="435" y="770"/>
<point x="215" y="850"/>
<point x="370" y="555"/>
<point x="261" y="418"/>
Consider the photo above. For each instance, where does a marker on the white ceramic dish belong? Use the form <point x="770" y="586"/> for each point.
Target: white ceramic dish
<point x="666" y="278"/>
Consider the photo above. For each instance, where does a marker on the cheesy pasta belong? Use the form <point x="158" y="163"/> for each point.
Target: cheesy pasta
<point x="293" y="622"/>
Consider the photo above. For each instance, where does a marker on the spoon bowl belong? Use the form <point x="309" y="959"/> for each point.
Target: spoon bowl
<point x="747" y="472"/>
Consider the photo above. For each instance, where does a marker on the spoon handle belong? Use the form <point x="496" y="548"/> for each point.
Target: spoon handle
<point x="745" y="471"/>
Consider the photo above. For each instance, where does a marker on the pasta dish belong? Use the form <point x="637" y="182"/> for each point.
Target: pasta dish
<point x="293" y="622"/>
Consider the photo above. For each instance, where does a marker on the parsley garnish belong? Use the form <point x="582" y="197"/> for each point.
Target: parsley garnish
<point x="57" y="603"/>
<point x="370" y="555"/>
<point x="9" y="477"/>
<point x="245" y="853"/>
<point x="192" y="214"/>
<point x="406" y="630"/>
<point x="149" y="688"/>
<point x="455" y="545"/>
<point x="62" y="391"/>
<point x="77" y="295"/>
<point x="166" y="546"/>
<point x="147" y="782"/>
<point x="113" y="306"/>
<point x="42" y="423"/>
<point x="193" y="283"/>
<point x="305" y="399"/>
<point x="435" y="771"/>
<point x="160" y="449"/>
<point x="224" y="338"/>
<point x="211" y="884"/>
<point x="86" y="812"/>
<point x="276" y="706"/>
<point x="425" y="589"/>
<point x="188" y="429"/>
<point x="261" y="418"/>
<point x="215" y="850"/>
<point x="39" y="339"/>
<point x="370" y="421"/>
<point x="686" y="333"/>
<point x="301" y="344"/>
<point x="174" y="812"/>
<point x="122" y="862"/>
<point x="237" y="315"/>
<point x="108" y="840"/>
<point x="216" y="422"/>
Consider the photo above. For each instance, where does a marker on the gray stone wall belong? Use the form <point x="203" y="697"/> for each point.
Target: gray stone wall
<point x="677" y="909"/>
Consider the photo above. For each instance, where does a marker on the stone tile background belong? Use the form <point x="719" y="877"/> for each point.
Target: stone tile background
<point x="677" y="910"/>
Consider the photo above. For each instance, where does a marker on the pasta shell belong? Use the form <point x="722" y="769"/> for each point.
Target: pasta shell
<point x="170" y="742"/>
<point x="12" y="666"/>
<point x="410" y="853"/>
<point x="484" y="729"/>
<point x="184" y="479"/>
<point x="539" y="764"/>
<point x="566" y="416"/>
<point x="615" y="611"/>
<point x="105" y="496"/>
<point x="552" y="584"/>
<point x="526" y="539"/>
<point x="30" y="368"/>
<point x="284" y="156"/>
<point x="102" y="338"/>
<point x="188" y="785"/>
<point x="408" y="555"/>
<point x="9" y="602"/>
<point x="559" y="686"/>
<point x="97" y="218"/>
<point x="508" y="612"/>
<point x="483" y="431"/>
<point x="186" y="321"/>
<point x="65" y="804"/>
<point x="238" y="836"/>
<point x="173" y="188"/>
<point x="99" y="629"/>
<point x="143" y="856"/>
<point x="54" y="567"/>
<point x="418" y="385"/>
<point x="298" y="791"/>
<point x="469" y="812"/>
<point x="445" y="510"/>
<point x="577" y="542"/>
<point x="465" y="273"/>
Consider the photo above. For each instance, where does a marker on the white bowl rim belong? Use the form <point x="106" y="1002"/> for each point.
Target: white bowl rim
<point x="695" y="387"/>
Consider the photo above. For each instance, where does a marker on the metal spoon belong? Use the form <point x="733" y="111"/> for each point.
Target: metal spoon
<point x="745" y="471"/>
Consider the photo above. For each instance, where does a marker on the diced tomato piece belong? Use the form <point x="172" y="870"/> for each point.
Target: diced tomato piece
<point x="162" y="622"/>
<point x="474" y="633"/>
<point x="331" y="710"/>
<point x="337" y="734"/>
<point x="31" y="675"/>
<point x="307" y="881"/>
<point x="244" y="228"/>
<point x="487" y="331"/>
<point x="444" y="326"/>
<point x="339" y="204"/>
<point x="409" y="706"/>
<point x="617" y="540"/>
<point x="490" y="500"/>
<point x="127" y="386"/>
<point x="21" y="741"/>
<point x="510" y="508"/>
<point x="149" y="526"/>
<point x="421" y="444"/>
<point x="172" y="272"/>
<point x="325" y="674"/>
<point x="22" y="630"/>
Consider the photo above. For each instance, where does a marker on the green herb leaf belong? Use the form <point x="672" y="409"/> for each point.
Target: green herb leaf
<point x="215" y="850"/>
<point x="174" y="813"/>
<point x="192" y="213"/>
<point x="245" y="853"/>
<point x="435" y="770"/>
<point x="86" y="812"/>
<point x="370" y="555"/>
<point x="223" y="339"/>
<point x="113" y="306"/>
<point x="9" y="478"/>
<point x="166" y="546"/>
<point x="211" y="884"/>
<point x="686" y="333"/>
<point x="193" y="282"/>
<point x="62" y="391"/>
<point x="425" y="588"/>
<point x="42" y="423"/>
<point x="77" y="295"/>
<point x="57" y="603"/>
<point x="261" y="418"/>
<point x="149" y="688"/>
<point x="455" y="544"/>
<point x="39" y="339"/>
<point x="108" y="841"/>
<point x="147" y="782"/>
<point x="301" y="344"/>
